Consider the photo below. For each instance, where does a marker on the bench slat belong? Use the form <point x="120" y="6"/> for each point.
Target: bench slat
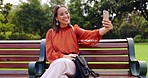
<point x="109" y="66"/>
<point x="18" y="58"/>
<point x="20" y="41"/>
<point x="114" y="72"/>
<point x="20" y="46"/>
<point x="104" y="66"/>
<point x="107" y="59"/>
<point x="14" y="76"/>
<point x="103" y="74"/>
<point x="13" y="72"/>
<point x="113" y="41"/>
<point x="18" y="52"/>
<point x="106" y="45"/>
<point x="14" y="65"/>
<point x="115" y="77"/>
<point x="104" y="52"/>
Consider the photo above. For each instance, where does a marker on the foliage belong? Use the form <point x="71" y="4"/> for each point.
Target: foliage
<point x="5" y="11"/>
<point x="76" y="12"/>
<point x="35" y="19"/>
<point x="32" y="17"/>
<point x="56" y="2"/>
<point x="5" y="25"/>
<point x="140" y="24"/>
<point x="141" y="6"/>
<point x="24" y="36"/>
<point x="137" y="38"/>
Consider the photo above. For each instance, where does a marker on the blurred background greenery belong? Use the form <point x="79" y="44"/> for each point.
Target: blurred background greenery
<point x="32" y="19"/>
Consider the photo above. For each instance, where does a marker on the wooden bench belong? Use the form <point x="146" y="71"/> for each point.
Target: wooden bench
<point x="15" y="56"/>
<point x="111" y="58"/>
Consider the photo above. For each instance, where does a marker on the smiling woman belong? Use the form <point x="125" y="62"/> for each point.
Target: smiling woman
<point x="62" y="42"/>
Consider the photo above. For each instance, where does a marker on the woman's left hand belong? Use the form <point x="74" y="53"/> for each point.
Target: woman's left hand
<point x="70" y="56"/>
<point x="107" y="24"/>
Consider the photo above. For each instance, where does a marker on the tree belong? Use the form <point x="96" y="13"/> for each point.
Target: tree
<point x="76" y="10"/>
<point x="53" y="3"/>
<point x="35" y="18"/>
<point x="121" y="12"/>
<point x="142" y="6"/>
<point x="141" y="25"/>
<point x="32" y="17"/>
<point x="5" y="25"/>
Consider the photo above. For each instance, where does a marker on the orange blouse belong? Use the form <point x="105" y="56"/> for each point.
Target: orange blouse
<point x="66" y="40"/>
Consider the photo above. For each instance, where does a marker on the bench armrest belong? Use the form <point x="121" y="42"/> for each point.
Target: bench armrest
<point x="37" y="68"/>
<point x="138" y="68"/>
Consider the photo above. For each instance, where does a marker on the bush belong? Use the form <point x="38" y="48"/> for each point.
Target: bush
<point x="137" y="38"/>
<point x="31" y="37"/>
<point x="2" y="36"/>
<point x="24" y="36"/>
<point x="145" y="40"/>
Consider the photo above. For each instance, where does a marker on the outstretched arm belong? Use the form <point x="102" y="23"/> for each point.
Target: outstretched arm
<point x="107" y="26"/>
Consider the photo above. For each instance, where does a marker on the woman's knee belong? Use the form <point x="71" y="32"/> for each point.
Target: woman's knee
<point x="62" y="61"/>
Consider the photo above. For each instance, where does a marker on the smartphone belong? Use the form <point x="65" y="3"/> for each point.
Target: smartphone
<point x="105" y="14"/>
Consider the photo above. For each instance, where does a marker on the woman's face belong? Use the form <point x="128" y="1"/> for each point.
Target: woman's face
<point x="63" y="16"/>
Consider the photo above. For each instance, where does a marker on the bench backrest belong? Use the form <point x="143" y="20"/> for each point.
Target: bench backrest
<point x="113" y="58"/>
<point x="109" y="55"/>
<point x="15" y="56"/>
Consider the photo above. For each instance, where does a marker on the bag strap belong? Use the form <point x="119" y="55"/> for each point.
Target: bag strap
<point x="93" y="73"/>
<point x="84" y="62"/>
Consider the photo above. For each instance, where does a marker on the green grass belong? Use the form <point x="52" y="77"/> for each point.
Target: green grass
<point x="141" y="50"/>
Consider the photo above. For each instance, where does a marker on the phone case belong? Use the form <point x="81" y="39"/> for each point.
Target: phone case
<point x="105" y="14"/>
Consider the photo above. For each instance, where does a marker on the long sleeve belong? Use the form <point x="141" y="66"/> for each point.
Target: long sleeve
<point x="51" y="54"/>
<point x="66" y="40"/>
<point x="87" y="37"/>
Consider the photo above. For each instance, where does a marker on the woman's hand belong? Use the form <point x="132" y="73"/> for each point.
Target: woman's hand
<point x="70" y="56"/>
<point x="107" y="26"/>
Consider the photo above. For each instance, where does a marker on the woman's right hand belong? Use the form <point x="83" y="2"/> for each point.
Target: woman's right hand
<point x="70" y="56"/>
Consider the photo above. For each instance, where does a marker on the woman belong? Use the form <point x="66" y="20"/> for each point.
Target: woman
<point x="62" y="43"/>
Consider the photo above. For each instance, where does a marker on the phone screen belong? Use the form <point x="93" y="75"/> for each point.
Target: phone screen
<point x="105" y="14"/>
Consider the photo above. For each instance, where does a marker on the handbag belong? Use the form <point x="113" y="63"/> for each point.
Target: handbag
<point x="82" y="69"/>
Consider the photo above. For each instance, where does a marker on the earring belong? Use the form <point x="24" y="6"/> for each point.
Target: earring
<point x="57" y="23"/>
